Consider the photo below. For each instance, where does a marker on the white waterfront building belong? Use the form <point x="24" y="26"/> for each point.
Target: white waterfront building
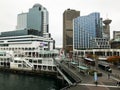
<point x="27" y="52"/>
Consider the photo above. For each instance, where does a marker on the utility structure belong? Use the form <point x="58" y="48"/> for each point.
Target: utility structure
<point x="106" y="28"/>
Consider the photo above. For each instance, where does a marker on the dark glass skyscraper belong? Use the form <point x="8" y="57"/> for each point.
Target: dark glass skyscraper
<point x="34" y="22"/>
<point x="36" y="19"/>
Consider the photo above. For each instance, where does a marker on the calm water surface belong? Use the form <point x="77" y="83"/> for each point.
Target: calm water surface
<point x="9" y="81"/>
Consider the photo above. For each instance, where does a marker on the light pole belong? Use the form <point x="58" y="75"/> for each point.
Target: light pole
<point x="96" y="61"/>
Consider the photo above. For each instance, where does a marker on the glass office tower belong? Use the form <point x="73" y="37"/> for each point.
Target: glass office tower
<point x="34" y="22"/>
<point x="36" y="19"/>
<point x="86" y="28"/>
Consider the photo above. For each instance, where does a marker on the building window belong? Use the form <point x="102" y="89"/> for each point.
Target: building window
<point x="15" y="61"/>
<point x="40" y="61"/>
<point x="34" y="61"/>
<point x="19" y="65"/>
<point x="19" y="61"/>
<point x="30" y="60"/>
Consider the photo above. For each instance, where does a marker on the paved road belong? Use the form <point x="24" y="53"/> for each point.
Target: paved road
<point x="94" y="87"/>
<point x="105" y="83"/>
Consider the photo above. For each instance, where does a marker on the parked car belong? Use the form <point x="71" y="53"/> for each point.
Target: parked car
<point x="105" y="67"/>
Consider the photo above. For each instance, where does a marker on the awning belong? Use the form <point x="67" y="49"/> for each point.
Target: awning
<point x="73" y="63"/>
<point x="89" y="59"/>
<point x="82" y="67"/>
<point x="2" y="52"/>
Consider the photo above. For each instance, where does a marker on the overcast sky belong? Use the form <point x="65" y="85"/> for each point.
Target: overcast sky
<point x="107" y="8"/>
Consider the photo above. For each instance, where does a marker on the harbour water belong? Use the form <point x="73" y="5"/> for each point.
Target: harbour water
<point x="10" y="81"/>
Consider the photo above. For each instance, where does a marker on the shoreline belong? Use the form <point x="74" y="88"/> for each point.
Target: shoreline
<point x="29" y="72"/>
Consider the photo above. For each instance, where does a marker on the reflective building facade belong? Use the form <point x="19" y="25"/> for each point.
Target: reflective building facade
<point x="20" y="33"/>
<point x="36" y="19"/>
<point x="86" y="28"/>
<point x="34" y="22"/>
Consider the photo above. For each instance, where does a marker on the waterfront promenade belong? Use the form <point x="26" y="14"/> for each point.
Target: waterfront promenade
<point x="103" y="84"/>
<point x="87" y="83"/>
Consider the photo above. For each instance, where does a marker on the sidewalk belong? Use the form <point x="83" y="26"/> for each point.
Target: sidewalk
<point x="115" y="72"/>
<point x="104" y="83"/>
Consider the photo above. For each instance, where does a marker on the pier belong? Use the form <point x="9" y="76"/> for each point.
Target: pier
<point x="61" y="66"/>
<point x="84" y="81"/>
<point x="29" y="72"/>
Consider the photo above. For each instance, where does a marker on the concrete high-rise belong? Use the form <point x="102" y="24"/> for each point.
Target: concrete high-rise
<point x="116" y="35"/>
<point x="68" y="17"/>
<point x="21" y="21"/>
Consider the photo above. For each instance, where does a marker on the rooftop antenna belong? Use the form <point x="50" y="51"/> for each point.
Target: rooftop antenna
<point x="107" y="16"/>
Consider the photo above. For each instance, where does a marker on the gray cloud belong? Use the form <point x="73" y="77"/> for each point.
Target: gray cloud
<point x="10" y="8"/>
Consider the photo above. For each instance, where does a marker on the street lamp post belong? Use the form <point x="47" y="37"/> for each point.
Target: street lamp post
<point x="96" y="61"/>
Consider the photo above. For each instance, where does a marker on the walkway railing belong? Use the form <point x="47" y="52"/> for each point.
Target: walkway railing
<point x="67" y="70"/>
<point x="63" y="75"/>
<point x="29" y="64"/>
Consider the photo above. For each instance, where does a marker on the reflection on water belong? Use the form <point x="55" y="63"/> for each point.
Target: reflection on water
<point x="9" y="81"/>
